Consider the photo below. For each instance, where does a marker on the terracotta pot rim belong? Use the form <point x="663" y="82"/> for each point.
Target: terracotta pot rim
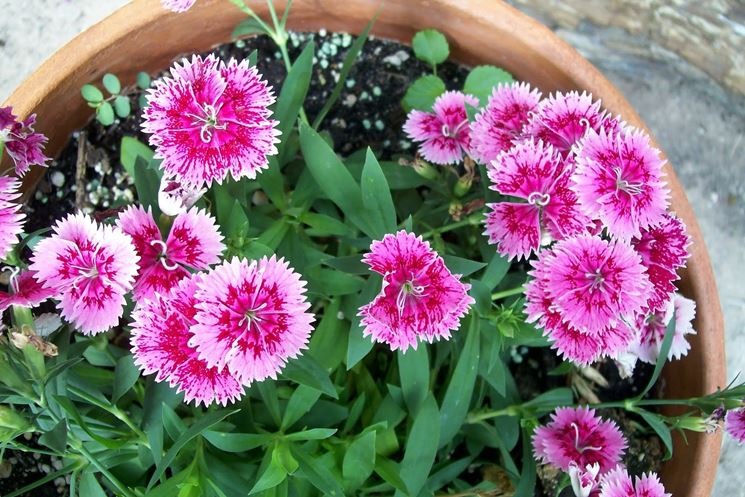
<point x="142" y="35"/>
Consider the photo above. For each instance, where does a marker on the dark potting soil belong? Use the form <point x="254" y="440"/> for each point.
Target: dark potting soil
<point x="367" y="113"/>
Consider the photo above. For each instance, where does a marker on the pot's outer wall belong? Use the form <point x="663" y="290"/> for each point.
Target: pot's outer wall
<point x="144" y="36"/>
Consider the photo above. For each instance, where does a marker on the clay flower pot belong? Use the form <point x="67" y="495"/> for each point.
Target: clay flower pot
<point x="144" y="36"/>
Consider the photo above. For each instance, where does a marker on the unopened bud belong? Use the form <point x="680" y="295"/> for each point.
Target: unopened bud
<point x="463" y="185"/>
<point x="425" y="170"/>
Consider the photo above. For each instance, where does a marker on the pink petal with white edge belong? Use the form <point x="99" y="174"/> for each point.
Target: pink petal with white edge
<point x="139" y="224"/>
<point x="11" y="217"/>
<point x="421" y="126"/>
<point x="652" y="330"/>
<point x="514" y="228"/>
<point x="618" y="483"/>
<point x="194" y="240"/>
<point x="26" y="292"/>
<point x="158" y="279"/>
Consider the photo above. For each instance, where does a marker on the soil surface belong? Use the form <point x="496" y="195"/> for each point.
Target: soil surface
<point x="367" y="113"/>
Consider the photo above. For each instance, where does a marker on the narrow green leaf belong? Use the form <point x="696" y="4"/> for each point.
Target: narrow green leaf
<point x="323" y="225"/>
<point x="273" y="475"/>
<point x="130" y="149"/>
<point x="312" y="434"/>
<point x="376" y="196"/>
<point x="660" y="427"/>
<point x="301" y="401"/>
<point x="147" y="184"/>
<point x="202" y="424"/>
<point x="268" y="392"/>
<point x="91" y="94"/>
<point x="305" y="370"/>
<point x="89" y="486"/>
<point x="389" y="472"/>
<point x="413" y="370"/>
<point x="248" y="27"/>
<point x="422" y="93"/>
<point x="548" y="401"/>
<point x="359" y="461"/>
<point x="237" y="442"/>
<point x="349" y="59"/>
<point x="482" y="80"/>
<point x="125" y="376"/>
<point x="274" y="234"/>
<point x="273" y="184"/>
<point x="457" y="398"/>
<point x="351" y="264"/>
<point x="495" y="271"/>
<point x="111" y="83"/>
<point x="318" y="475"/>
<point x="329" y="341"/>
<point x="461" y="266"/>
<point x="430" y="46"/>
<point x="293" y="92"/>
<point x="667" y="342"/>
<point x="526" y="485"/>
<point x="358" y="345"/>
<point x="69" y="407"/>
<point x="421" y="447"/>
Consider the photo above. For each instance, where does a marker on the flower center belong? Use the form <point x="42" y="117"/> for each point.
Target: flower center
<point x="163" y="256"/>
<point x="408" y="288"/>
<point x="596" y="280"/>
<point x="577" y="445"/>
<point x="447" y="132"/>
<point x="626" y="186"/>
<point x="208" y="121"/>
<point x="539" y="199"/>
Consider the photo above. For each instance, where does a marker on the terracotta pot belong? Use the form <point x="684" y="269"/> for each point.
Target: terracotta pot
<point x="144" y="36"/>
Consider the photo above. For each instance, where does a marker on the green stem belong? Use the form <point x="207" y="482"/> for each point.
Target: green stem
<point x="248" y="11"/>
<point x="113" y="479"/>
<point x="507" y="293"/>
<point x="469" y="221"/>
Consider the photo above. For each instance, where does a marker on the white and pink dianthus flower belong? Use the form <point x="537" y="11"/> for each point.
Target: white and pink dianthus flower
<point x="499" y="124"/>
<point x="194" y="242"/>
<point x="444" y="133"/>
<point x="90" y="267"/>
<point x="563" y="119"/>
<point x="251" y="318"/>
<point x="584" y="481"/>
<point x="25" y="291"/>
<point x="619" y="180"/>
<point x="734" y="423"/>
<point x="178" y="5"/>
<point x="211" y="119"/>
<point x="160" y="344"/>
<point x="618" y="483"/>
<point x="652" y="330"/>
<point x="11" y="219"/>
<point x="23" y="144"/>
<point x="536" y="173"/>
<point x="420" y="299"/>
<point x="578" y="436"/>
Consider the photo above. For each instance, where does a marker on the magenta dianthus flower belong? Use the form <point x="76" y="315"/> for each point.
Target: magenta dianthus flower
<point x="160" y="344"/>
<point x="251" y="318"/>
<point x="564" y="118"/>
<point x="211" y="119"/>
<point x="734" y="423"/>
<point x="652" y="330"/>
<point x="90" y="267"/>
<point x="178" y="5"/>
<point x="499" y="124"/>
<point x="619" y="180"/>
<point x="618" y="483"/>
<point x="532" y="171"/>
<point x="444" y="133"/>
<point x="664" y="249"/>
<point x="25" y="292"/>
<point x="23" y="145"/>
<point x="194" y="242"/>
<point x="11" y="219"/>
<point x="420" y="299"/>
<point x="578" y="436"/>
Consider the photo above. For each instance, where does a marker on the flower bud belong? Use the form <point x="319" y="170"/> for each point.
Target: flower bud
<point x="425" y="170"/>
<point x="463" y="185"/>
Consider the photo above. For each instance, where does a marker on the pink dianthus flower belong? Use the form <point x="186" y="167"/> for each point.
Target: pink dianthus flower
<point x="652" y="330"/>
<point x="563" y="119"/>
<point x="178" y="5"/>
<point x="25" y="292"/>
<point x="23" y="145"/>
<point x="618" y="483"/>
<point x="211" y="119"/>
<point x="11" y="219"/>
<point x="499" y="124"/>
<point x="664" y="249"/>
<point x="734" y="423"/>
<point x="160" y="344"/>
<point x="534" y="172"/>
<point x="420" y="299"/>
<point x="194" y="242"/>
<point x="444" y="133"/>
<point x="619" y="180"/>
<point x="251" y="318"/>
<point x="578" y="436"/>
<point x="90" y="267"/>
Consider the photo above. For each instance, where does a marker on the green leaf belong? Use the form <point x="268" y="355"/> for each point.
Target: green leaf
<point x="125" y="376"/>
<point x="548" y="401"/>
<point x="352" y="54"/>
<point x="273" y="475"/>
<point x="56" y="438"/>
<point x="202" y="424"/>
<point x="359" y="460"/>
<point x="324" y="164"/>
<point x="376" y="196"/>
<point x="274" y="234"/>
<point x="147" y="184"/>
<point x="667" y="342"/>
<point x="421" y="447"/>
<point x="659" y="426"/>
<point x="285" y="458"/>
<point x="91" y="94"/>
<point x="105" y="114"/>
<point x="457" y="398"/>
<point x="111" y="83"/>
<point x="121" y="106"/>
<point x="329" y="341"/>
<point x="422" y="93"/>
<point x="389" y="472"/>
<point x="237" y="442"/>
<point x="463" y="267"/>
<point x="526" y="485"/>
<point x="359" y="345"/>
<point x="237" y="223"/>
<point x="268" y="392"/>
<point x="351" y="264"/>
<point x="89" y="486"/>
<point x="306" y="371"/>
<point x="413" y="370"/>
<point x="316" y="473"/>
<point x="332" y="283"/>
<point x="312" y="434"/>
<point x="248" y="27"/>
<point x="323" y="225"/>
<point x="430" y="46"/>
<point x="273" y="183"/>
<point x="301" y="401"/>
<point x="293" y="93"/>
<point x="482" y="80"/>
<point x="495" y="271"/>
<point x="143" y="80"/>
<point x="130" y="149"/>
